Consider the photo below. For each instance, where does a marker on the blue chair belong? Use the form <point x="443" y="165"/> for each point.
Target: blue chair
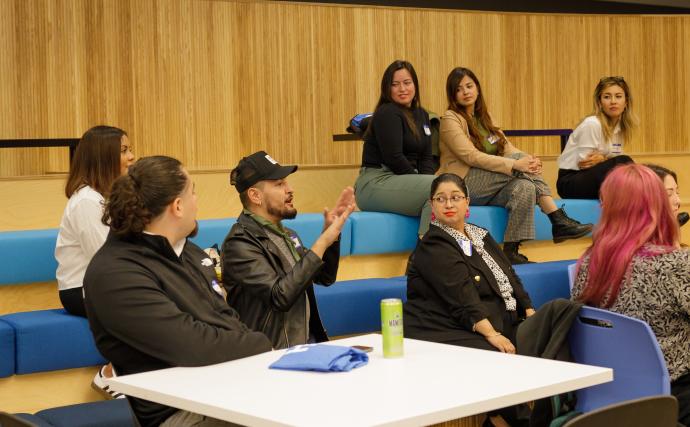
<point x="572" y="272"/>
<point x="626" y="345"/>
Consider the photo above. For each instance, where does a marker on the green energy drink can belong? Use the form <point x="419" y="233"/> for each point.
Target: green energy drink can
<point x="392" y="327"/>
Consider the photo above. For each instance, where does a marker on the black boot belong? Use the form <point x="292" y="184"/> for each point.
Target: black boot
<point x="511" y="251"/>
<point x="683" y="218"/>
<point x="563" y="227"/>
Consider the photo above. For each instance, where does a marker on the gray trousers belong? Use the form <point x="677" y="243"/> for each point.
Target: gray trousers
<point x="518" y="194"/>
<point x="380" y="190"/>
<point x="190" y="419"/>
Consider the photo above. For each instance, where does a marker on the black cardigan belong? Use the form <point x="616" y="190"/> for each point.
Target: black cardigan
<point x="390" y="141"/>
<point x="448" y="291"/>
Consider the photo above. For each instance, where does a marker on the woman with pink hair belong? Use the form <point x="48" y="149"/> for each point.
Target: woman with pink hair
<point x="636" y="267"/>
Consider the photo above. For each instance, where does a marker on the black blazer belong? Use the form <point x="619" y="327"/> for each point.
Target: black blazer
<point x="448" y="291"/>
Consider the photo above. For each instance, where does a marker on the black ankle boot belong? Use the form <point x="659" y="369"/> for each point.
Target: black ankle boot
<point x="563" y="227"/>
<point x="683" y="218"/>
<point x="511" y="251"/>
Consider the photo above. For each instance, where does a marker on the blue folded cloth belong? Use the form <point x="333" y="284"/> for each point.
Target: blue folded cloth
<point x="322" y="358"/>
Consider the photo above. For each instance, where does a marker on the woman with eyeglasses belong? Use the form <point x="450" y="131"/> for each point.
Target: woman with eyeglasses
<point x="637" y="267"/>
<point x="596" y="145"/>
<point x="461" y="288"/>
<point x="103" y="154"/>
<point x="397" y="162"/>
<point x="496" y="172"/>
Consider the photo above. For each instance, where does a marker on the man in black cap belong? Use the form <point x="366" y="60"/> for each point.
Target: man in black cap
<point x="266" y="269"/>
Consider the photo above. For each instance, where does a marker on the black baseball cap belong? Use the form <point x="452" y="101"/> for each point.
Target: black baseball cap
<point x="257" y="167"/>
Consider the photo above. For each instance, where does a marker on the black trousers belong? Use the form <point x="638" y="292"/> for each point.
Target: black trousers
<point x="73" y="301"/>
<point x="680" y="388"/>
<point x="584" y="184"/>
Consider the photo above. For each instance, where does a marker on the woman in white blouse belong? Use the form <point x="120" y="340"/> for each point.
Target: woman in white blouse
<point x="596" y="146"/>
<point x="103" y="154"/>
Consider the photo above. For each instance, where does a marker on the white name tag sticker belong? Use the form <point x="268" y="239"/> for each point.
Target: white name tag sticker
<point x="427" y="131"/>
<point x="466" y="247"/>
<point x="616" y="148"/>
<point x="492" y="139"/>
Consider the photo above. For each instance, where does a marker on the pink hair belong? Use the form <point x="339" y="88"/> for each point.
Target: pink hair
<point x="635" y="211"/>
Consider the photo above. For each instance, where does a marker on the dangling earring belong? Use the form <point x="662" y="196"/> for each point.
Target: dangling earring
<point x="433" y="217"/>
<point x="467" y="213"/>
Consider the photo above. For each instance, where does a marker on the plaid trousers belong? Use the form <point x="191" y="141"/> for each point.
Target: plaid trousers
<point x="517" y="193"/>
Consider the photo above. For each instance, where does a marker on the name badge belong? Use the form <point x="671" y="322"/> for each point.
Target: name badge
<point x="616" y="148"/>
<point x="492" y="139"/>
<point x="427" y="131"/>
<point x="466" y="247"/>
<point x="295" y="240"/>
<point x="218" y="289"/>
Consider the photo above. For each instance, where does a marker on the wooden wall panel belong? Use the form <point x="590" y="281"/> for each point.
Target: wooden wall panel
<point x="211" y="81"/>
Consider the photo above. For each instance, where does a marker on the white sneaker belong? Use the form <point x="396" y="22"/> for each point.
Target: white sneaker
<point x="100" y="386"/>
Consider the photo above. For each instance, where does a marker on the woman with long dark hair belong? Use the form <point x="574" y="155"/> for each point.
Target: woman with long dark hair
<point x="102" y="155"/>
<point x="636" y="267"/>
<point x="397" y="163"/>
<point x="496" y="172"/>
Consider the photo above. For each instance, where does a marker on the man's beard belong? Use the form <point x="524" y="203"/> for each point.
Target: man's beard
<point x="283" y="212"/>
<point x="194" y="232"/>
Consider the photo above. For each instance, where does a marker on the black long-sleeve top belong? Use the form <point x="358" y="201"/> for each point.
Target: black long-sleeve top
<point x="392" y="143"/>
<point x="150" y="309"/>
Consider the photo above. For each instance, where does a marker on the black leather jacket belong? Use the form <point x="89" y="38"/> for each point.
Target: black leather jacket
<point x="267" y="292"/>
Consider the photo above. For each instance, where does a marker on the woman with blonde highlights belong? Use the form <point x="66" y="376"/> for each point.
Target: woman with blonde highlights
<point x="636" y="267"/>
<point x="596" y="145"/>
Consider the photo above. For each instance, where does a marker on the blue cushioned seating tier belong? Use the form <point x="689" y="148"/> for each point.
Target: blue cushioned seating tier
<point x="34" y="420"/>
<point x="48" y="340"/>
<point x="353" y="306"/>
<point x="545" y="281"/>
<point x="213" y="232"/>
<point x="108" y="413"/>
<point x="27" y="256"/>
<point x="493" y="218"/>
<point x="379" y="233"/>
<point x="7" y="350"/>
<point x="308" y="226"/>
<point x="585" y="211"/>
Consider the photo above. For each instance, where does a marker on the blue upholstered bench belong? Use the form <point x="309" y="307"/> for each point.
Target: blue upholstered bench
<point x="27" y="256"/>
<point x="7" y="349"/>
<point x="545" y="281"/>
<point x="107" y="413"/>
<point x="47" y="340"/>
<point x="378" y="233"/>
<point x="352" y="306"/>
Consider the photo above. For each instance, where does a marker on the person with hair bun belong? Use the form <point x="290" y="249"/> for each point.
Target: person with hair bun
<point x="152" y="297"/>
<point x="636" y="267"/>
<point x="596" y="145"/>
<point x="102" y="155"/>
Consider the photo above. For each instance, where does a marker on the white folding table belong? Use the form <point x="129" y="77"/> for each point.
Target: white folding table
<point x="432" y="383"/>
